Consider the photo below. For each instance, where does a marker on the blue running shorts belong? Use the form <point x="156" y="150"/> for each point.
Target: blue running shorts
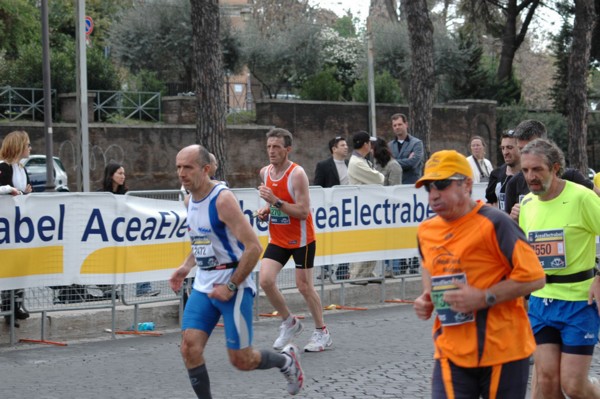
<point x="203" y="313"/>
<point x="576" y="322"/>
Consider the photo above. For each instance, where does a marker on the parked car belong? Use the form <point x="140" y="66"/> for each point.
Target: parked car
<point x="36" y="167"/>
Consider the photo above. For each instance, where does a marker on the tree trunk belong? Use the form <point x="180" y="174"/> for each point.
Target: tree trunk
<point x="383" y="10"/>
<point x="511" y="40"/>
<point x="422" y="82"/>
<point x="208" y="81"/>
<point x="577" y="107"/>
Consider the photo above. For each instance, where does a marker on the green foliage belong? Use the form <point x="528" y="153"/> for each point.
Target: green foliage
<point x="561" y="45"/>
<point x="392" y="51"/>
<point x="387" y="89"/>
<point x="472" y="79"/>
<point x="343" y="55"/>
<point x="278" y="59"/>
<point x="146" y="80"/>
<point x="346" y="26"/>
<point x="461" y="71"/>
<point x="154" y="37"/>
<point x="19" y="26"/>
<point x="506" y="92"/>
<point x="26" y="70"/>
<point x="61" y="22"/>
<point x="22" y="65"/>
<point x="103" y="12"/>
<point x="157" y="36"/>
<point x="231" y="46"/>
<point x="322" y="86"/>
<point x="4" y="69"/>
<point x="101" y="73"/>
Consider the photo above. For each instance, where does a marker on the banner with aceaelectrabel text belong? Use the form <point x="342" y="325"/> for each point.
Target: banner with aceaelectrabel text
<point x="49" y="239"/>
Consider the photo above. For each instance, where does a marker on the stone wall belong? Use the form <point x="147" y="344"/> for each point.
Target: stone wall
<point x="179" y="110"/>
<point x="314" y="123"/>
<point x="148" y="151"/>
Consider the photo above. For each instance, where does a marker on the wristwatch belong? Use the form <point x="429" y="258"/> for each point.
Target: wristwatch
<point x="490" y="299"/>
<point x="278" y="204"/>
<point x="231" y="286"/>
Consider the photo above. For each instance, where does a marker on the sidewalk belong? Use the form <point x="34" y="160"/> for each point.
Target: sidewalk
<point x="63" y="326"/>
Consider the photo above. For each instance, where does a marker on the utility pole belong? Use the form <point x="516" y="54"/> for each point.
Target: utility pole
<point x="47" y="98"/>
<point x="83" y="160"/>
<point x="371" y="80"/>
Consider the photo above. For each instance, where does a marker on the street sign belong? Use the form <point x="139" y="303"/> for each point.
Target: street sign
<point x="89" y="25"/>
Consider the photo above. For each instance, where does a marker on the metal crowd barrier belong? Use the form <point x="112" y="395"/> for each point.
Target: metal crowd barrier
<point x="409" y="268"/>
<point x="45" y="300"/>
<point x="10" y="314"/>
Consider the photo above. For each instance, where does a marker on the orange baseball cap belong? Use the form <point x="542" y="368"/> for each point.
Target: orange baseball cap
<point x="444" y="164"/>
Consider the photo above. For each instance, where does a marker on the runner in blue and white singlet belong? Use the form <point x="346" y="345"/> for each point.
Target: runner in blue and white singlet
<point x="213" y="244"/>
<point x="225" y="250"/>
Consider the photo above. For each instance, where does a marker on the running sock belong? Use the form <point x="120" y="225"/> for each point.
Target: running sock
<point x="270" y="359"/>
<point x="200" y="381"/>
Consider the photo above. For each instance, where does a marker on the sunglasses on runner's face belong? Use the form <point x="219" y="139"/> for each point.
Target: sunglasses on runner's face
<point x="439" y="185"/>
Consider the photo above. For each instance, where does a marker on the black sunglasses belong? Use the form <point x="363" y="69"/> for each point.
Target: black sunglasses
<point x="440" y="185"/>
<point x="509" y="133"/>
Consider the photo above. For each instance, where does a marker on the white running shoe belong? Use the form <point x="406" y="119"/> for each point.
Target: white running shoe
<point x="320" y="340"/>
<point x="287" y="333"/>
<point x="293" y="373"/>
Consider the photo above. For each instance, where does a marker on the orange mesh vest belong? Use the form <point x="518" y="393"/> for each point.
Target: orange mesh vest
<point x="286" y="231"/>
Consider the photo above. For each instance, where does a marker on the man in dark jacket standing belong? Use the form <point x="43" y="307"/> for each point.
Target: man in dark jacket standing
<point x="333" y="171"/>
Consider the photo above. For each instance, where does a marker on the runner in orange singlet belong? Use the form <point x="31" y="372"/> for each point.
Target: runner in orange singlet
<point x="291" y="234"/>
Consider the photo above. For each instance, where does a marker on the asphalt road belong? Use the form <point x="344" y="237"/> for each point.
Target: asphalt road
<point x="383" y="352"/>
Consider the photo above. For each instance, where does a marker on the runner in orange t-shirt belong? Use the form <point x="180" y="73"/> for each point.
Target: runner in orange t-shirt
<point x="291" y="234"/>
<point x="477" y="266"/>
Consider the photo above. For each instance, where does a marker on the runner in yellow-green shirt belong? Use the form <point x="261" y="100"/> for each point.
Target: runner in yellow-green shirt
<point x="561" y="220"/>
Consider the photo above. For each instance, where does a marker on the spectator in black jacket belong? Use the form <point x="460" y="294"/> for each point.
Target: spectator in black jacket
<point x="330" y="172"/>
<point x="333" y="171"/>
<point x="495" y="192"/>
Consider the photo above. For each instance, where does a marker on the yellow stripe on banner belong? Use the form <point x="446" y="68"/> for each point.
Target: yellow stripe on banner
<point x="136" y="258"/>
<point x="31" y="261"/>
<point x="343" y="242"/>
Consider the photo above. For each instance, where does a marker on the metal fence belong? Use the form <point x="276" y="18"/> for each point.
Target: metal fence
<point x="126" y="105"/>
<point x="23" y="103"/>
<point x="118" y="106"/>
